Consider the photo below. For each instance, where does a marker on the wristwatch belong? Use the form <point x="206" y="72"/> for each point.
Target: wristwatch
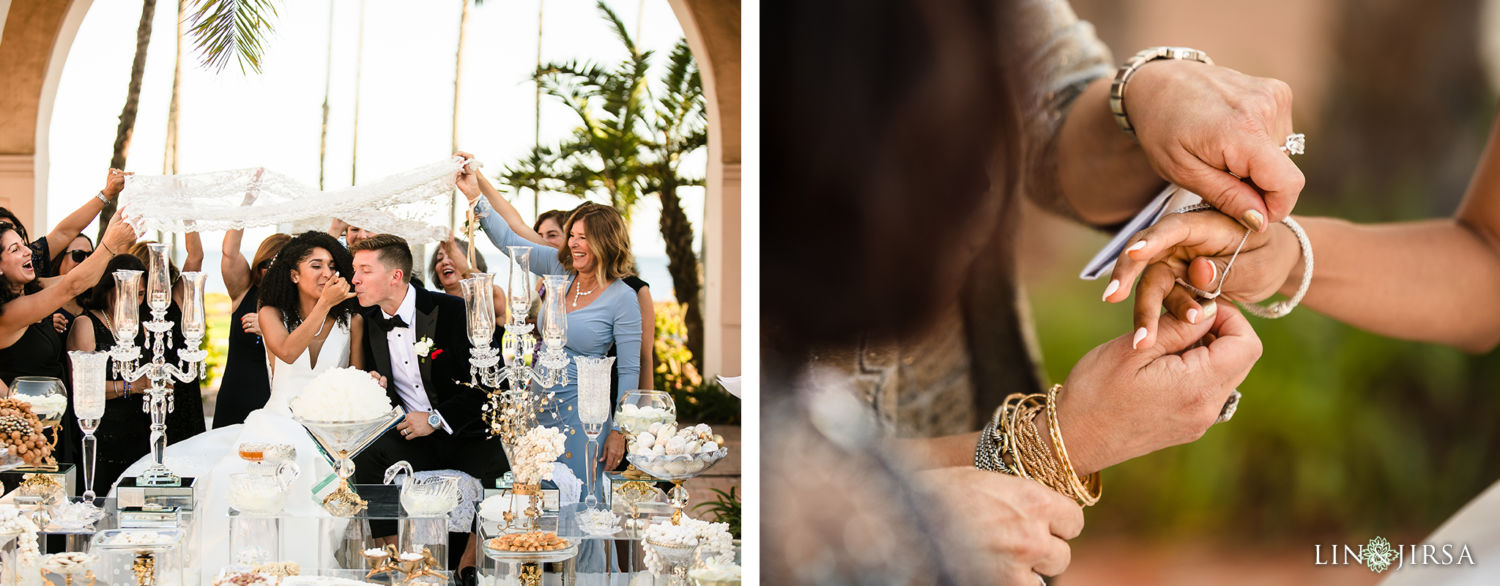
<point x="434" y="420"/>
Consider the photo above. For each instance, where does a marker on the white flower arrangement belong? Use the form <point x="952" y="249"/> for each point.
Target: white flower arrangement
<point x="342" y="394"/>
<point x="422" y="347"/>
<point x="691" y="532"/>
<point x="535" y="453"/>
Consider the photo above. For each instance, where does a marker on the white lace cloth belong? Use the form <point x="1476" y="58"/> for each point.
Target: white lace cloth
<point x="411" y="204"/>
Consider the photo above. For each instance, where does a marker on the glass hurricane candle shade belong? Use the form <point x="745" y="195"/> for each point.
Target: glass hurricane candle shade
<point x="518" y="285"/>
<point x="127" y="311"/>
<point x="479" y="305"/>
<point x="193" y="323"/>
<point x="89" y="369"/>
<point x="593" y="410"/>
<point x="159" y="280"/>
<point x="553" y="321"/>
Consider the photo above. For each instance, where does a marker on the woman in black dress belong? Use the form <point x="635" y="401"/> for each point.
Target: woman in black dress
<point x="29" y="343"/>
<point x="246" y="384"/>
<point x="124" y="432"/>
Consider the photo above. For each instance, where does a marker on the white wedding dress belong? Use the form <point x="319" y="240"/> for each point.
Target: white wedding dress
<point x="213" y="456"/>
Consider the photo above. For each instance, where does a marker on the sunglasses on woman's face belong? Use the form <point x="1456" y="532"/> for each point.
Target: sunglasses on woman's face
<point x="79" y="255"/>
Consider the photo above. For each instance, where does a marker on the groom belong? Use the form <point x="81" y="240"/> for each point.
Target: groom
<point x="416" y="339"/>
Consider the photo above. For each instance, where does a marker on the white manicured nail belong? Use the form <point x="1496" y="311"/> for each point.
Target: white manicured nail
<point x="1192" y="316"/>
<point x="1136" y="246"/>
<point x="1139" y="335"/>
<point x="1114" y="285"/>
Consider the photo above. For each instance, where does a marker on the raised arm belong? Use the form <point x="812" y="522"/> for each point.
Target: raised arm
<point x="194" y="244"/>
<point x="21" y="312"/>
<point x="233" y="266"/>
<point x="72" y="225"/>
<point x="500" y="220"/>
<point x="232" y="263"/>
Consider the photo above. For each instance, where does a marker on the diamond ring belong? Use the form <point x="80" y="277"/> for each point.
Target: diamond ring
<point x="1296" y="144"/>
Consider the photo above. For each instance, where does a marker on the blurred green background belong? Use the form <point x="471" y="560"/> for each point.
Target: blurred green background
<point x="1342" y="435"/>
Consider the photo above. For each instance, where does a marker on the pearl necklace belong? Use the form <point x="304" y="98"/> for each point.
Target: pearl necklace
<point x="579" y="292"/>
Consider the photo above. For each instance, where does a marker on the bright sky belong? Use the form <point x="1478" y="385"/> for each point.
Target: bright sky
<point x="230" y="120"/>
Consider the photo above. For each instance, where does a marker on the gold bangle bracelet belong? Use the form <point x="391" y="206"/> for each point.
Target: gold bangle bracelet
<point x="1085" y="494"/>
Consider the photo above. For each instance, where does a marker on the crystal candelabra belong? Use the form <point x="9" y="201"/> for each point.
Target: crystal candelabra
<point x="88" y="403"/>
<point x="517" y="361"/>
<point x="160" y="374"/>
<point x="593" y="412"/>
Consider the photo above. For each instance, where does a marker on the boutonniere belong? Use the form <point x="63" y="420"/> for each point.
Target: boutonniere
<point x="423" y="347"/>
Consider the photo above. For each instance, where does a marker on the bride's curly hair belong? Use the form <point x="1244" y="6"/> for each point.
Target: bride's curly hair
<point x="277" y="289"/>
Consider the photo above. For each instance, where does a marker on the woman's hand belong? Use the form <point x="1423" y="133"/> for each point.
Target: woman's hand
<point x="1205" y="127"/>
<point x="1196" y="247"/>
<point x="119" y="236"/>
<point x="1019" y="527"/>
<point x="614" y="450"/>
<point x="1121" y="402"/>
<point x="335" y="291"/>
<point x="250" y="322"/>
<point x="114" y="183"/>
<point x="457" y="256"/>
<point x="468" y="179"/>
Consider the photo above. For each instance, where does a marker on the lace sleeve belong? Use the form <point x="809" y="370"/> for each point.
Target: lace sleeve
<point x="1065" y="56"/>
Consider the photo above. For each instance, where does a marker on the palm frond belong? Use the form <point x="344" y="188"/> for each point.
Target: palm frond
<point x="619" y="27"/>
<point x="225" y="29"/>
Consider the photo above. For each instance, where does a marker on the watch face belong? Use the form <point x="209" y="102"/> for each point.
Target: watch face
<point x="434" y="420"/>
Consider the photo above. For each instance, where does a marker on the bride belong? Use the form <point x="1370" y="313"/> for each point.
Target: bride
<point x="310" y="325"/>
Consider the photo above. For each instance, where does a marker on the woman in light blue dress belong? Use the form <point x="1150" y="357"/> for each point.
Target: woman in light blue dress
<point x="602" y="308"/>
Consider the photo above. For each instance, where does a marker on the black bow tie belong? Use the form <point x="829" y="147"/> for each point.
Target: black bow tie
<point x="389" y="323"/>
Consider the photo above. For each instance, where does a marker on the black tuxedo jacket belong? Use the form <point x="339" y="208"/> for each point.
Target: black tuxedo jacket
<point x="440" y="318"/>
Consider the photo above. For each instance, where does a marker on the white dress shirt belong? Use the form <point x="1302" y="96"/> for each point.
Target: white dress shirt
<point x="406" y="372"/>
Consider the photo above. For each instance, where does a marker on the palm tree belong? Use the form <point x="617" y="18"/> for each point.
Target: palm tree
<point x="629" y="146"/>
<point x="604" y="152"/>
<point x="126" y="128"/>
<point x="679" y="127"/>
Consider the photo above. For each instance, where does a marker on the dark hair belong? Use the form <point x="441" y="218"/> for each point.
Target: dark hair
<point x="392" y="251"/>
<point x="277" y="289"/>
<point x="32" y="287"/>
<point x="559" y="216"/>
<point x="57" y="260"/>
<point x="895" y="142"/>
<point x="8" y="216"/>
<point x="463" y="246"/>
<point x="97" y="297"/>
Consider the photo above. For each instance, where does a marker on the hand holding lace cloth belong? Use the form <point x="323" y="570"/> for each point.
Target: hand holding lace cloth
<point x="410" y="204"/>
